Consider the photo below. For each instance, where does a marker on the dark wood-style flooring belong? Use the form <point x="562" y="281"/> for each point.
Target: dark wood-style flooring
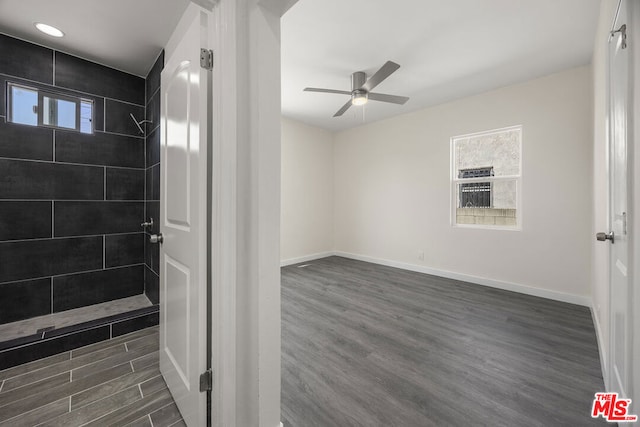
<point x="111" y="383"/>
<point x="368" y="345"/>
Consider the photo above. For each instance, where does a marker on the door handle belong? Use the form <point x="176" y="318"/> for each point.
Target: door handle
<point x="156" y="238"/>
<point x="605" y="236"/>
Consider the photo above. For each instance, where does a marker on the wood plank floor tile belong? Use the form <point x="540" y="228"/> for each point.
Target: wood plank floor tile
<point x="369" y="345"/>
<point x="165" y="417"/>
<point x="47" y="396"/>
<point x="34" y="366"/>
<point x="153" y="385"/>
<point x="97" y="409"/>
<point x="16" y="394"/>
<point x="38" y="415"/>
<point x="114" y="341"/>
<point x="110" y="387"/>
<point x="134" y="411"/>
<point x="141" y="422"/>
<point x="144" y="361"/>
<point x="100" y="384"/>
<point x="64" y="366"/>
<point x="110" y="362"/>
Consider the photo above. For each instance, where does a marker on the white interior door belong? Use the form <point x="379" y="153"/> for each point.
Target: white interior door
<point x="183" y="210"/>
<point x="620" y="285"/>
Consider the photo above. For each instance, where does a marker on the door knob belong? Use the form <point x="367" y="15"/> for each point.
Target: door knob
<point x="156" y="238"/>
<point x="605" y="236"/>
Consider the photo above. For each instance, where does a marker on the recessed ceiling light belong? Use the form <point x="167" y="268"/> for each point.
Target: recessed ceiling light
<point x="48" y="29"/>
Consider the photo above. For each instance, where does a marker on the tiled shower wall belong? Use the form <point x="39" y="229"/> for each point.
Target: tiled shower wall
<point x="71" y="204"/>
<point x="152" y="188"/>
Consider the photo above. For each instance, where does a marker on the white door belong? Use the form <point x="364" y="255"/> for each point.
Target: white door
<point x="620" y="285"/>
<point x="183" y="216"/>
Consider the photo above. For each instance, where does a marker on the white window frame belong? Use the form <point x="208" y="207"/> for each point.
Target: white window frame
<point x="454" y="181"/>
<point x="78" y="101"/>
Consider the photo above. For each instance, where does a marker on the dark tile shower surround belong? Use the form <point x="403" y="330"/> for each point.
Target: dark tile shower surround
<point x="71" y="204"/>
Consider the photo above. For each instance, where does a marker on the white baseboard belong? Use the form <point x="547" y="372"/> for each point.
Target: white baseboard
<point x="515" y="287"/>
<point x="601" y="349"/>
<point x="523" y="289"/>
<point x="290" y="261"/>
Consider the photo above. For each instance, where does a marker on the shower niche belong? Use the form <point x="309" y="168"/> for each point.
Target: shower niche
<point x="76" y="264"/>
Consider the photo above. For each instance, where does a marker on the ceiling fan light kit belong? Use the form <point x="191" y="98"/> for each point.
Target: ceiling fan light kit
<point x="361" y="88"/>
<point x="359" y="97"/>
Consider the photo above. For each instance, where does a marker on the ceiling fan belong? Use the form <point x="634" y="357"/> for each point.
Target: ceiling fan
<point x="361" y="88"/>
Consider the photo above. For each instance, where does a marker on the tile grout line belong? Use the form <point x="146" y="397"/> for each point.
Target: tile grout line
<point x="77" y="272"/>
<point x="140" y="389"/>
<point x="36" y="239"/>
<point x="53" y="235"/>
<point x="58" y="162"/>
<point x="2" y="385"/>
<point x="150" y="420"/>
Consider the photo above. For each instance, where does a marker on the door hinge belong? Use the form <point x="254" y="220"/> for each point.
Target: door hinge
<point x="206" y="59"/>
<point x="206" y="381"/>
<point x="623" y="33"/>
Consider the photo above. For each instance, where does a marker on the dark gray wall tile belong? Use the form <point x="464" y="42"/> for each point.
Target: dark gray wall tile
<point x="148" y="182"/>
<point x="153" y="78"/>
<point x="22" y="300"/>
<point x="25" y="220"/>
<point x="100" y="149"/>
<point x="153" y="112"/>
<point x="125" y="184"/>
<point x="135" y="324"/>
<point x="153" y="148"/>
<point x="85" y="76"/>
<point x="155" y="183"/>
<point x="25" y="142"/>
<point x="118" y="119"/>
<point x="42" y="258"/>
<point x="27" y="60"/>
<point x="152" y="255"/>
<point x="21" y="179"/>
<point x="152" y="210"/>
<point x="124" y="249"/>
<point x="39" y="350"/>
<point x="85" y="218"/>
<point x="79" y="290"/>
<point x="151" y="285"/>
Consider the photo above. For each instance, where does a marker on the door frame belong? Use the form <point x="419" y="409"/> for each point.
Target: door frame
<point x="246" y="211"/>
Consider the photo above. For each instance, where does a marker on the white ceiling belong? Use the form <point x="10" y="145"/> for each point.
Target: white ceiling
<point x="447" y="50"/>
<point x="123" y="34"/>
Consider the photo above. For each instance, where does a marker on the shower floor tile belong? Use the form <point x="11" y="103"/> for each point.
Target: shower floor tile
<point x="9" y="331"/>
<point x="114" y="382"/>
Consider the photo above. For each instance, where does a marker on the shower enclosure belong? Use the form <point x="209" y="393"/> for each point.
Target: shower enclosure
<point x="76" y="202"/>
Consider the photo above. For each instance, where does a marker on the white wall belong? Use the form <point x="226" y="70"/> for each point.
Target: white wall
<point x="306" y="191"/>
<point x="392" y="190"/>
<point x="600" y="251"/>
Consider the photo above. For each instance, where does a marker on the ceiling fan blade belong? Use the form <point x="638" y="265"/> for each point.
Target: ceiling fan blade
<point x="385" y="71"/>
<point x="317" y="89"/>
<point x="394" y="99"/>
<point x="344" y="108"/>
